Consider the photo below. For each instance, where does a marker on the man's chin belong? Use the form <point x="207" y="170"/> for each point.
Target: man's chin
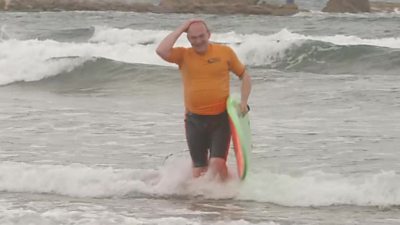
<point x="200" y="50"/>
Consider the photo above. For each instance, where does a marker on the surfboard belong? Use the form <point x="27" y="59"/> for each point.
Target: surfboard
<point x="241" y="135"/>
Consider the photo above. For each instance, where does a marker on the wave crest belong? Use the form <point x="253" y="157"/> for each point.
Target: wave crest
<point x="30" y="60"/>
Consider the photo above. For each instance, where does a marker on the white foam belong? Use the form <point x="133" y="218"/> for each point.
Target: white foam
<point x="72" y="180"/>
<point x="83" y="181"/>
<point x="128" y="36"/>
<point x="32" y="60"/>
<point x="87" y="214"/>
<point x="114" y="36"/>
<point x="311" y="189"/>
<point x="94" y="215"/>
<point x="322" y="189"/>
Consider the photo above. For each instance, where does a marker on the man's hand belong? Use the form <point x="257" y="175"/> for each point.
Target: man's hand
<point x="166" y="45"/>
<point x="185" y="26"/>
<point x="244" y="108"/>
<point x="245" y="92"/>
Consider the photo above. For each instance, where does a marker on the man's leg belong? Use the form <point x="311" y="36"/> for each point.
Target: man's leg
<point x="198" y="143"/>
<point x="198" y="171"/>
<point x="220" y="142"/>
<point x="218" y="168"/>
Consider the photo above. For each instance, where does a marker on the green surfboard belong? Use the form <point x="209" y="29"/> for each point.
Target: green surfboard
<point x="241" y="135"/>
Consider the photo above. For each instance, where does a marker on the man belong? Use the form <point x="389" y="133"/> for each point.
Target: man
<point x="205" y="71"/>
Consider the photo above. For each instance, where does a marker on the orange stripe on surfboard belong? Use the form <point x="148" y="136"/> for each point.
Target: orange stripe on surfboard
<point x="238" y="151"/>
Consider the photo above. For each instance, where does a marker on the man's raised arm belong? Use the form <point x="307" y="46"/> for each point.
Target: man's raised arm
<point x="166" y="45"/>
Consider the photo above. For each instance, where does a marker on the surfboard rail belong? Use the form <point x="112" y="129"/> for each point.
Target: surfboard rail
<point x="241" y="135"/>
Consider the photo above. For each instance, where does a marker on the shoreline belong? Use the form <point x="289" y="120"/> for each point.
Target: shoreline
<point x="120" y="5"/>
<point x="170" y="6"/>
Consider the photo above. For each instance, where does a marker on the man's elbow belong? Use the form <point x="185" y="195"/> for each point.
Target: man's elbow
<point x="162" y="53"/>
<point x="159" y="52"/>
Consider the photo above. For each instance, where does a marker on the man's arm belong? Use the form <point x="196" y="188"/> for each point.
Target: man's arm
<point x="166" y="45"/>
<point x="245" y="91"/>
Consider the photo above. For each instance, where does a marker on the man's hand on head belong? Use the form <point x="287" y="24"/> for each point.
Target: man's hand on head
<point x="185" y="26"/>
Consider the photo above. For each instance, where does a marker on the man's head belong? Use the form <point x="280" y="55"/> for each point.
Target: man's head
<point x="198" y="36"/>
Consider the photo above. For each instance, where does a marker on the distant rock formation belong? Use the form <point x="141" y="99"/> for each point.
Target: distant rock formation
<point x="226" y="7"/>
<point x="172" y="3"/>
<point x="165" y="6"/>
<point x="57" y="5"/>
<point x="347" y="6"/>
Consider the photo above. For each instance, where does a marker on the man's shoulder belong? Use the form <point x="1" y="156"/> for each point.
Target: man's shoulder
<point x="222" y="48"/>
<point x="180" y="48"/>
<point x="218" y="45"/>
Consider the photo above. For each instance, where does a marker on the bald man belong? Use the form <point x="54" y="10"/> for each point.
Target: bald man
<point x="205" y="69"/>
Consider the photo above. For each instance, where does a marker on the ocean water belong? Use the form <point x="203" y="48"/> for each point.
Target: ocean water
<point x="91" y="121"/>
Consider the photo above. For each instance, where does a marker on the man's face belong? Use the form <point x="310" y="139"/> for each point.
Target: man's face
<point x="198" y="36"/>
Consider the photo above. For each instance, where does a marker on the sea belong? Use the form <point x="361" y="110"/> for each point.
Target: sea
<point x="92" y="121"/>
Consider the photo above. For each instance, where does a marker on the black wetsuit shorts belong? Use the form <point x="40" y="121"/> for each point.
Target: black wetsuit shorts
<point x="208" y="136"/>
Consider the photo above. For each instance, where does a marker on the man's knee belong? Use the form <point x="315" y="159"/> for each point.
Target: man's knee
<point x="217" y="161"/>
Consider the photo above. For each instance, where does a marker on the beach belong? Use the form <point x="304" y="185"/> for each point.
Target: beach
<point x="92" y="120"/>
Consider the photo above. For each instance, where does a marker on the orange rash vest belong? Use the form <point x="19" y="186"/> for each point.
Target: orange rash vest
<point x="206" y="77"/>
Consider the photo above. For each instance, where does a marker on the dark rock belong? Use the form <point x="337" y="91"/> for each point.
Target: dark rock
<point x="165" y="6"/>
<point x="347" y="6"/>
<point x="56" y="5"/>
<point x="226" y="7"/>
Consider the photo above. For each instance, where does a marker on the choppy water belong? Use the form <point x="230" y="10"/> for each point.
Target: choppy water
<point x="92" y="132"/>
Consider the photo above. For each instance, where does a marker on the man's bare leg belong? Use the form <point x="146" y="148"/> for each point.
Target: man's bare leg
<point x="198" y="171"/>
<point x="217" y="167"/>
